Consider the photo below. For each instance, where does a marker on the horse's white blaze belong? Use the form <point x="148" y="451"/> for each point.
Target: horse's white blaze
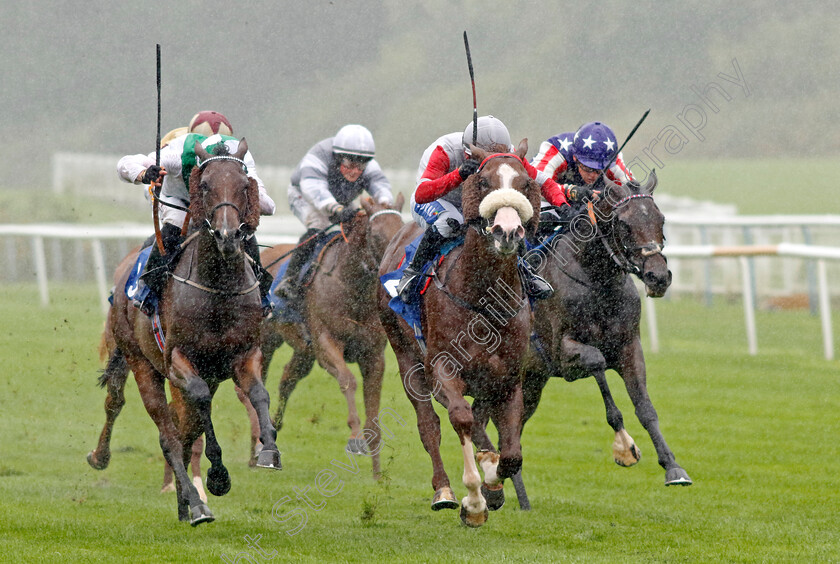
<point x="507" y="174"/>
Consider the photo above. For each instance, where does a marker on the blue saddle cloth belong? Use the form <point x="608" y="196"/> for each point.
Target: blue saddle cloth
<point x="133" y="290"/>
<point x="410" y="311"/>
<point x="284" y="311"/>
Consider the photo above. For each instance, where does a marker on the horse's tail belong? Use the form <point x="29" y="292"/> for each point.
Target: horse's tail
<point x="117" y="368"/>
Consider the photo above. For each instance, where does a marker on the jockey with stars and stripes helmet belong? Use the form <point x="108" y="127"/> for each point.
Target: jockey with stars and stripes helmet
<point x="594" y="145"/>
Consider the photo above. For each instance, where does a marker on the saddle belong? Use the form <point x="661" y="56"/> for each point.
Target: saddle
<point x="285" y="311"/>
<point x="410" y="311"/>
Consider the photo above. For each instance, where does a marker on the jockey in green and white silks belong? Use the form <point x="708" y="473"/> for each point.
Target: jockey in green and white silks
<point x="178" y="158"/>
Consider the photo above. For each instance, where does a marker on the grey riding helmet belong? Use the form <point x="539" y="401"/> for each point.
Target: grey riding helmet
<point x="491" y="131"/>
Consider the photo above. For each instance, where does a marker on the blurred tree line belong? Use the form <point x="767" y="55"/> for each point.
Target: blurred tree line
<point x="287" y="74"/>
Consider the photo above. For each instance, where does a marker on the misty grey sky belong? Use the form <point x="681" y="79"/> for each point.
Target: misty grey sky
<point x="287" y="74"/>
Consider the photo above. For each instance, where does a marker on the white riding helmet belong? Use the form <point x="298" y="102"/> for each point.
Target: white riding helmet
<point x="491" y="131"/>
<point x="354" y="140"/>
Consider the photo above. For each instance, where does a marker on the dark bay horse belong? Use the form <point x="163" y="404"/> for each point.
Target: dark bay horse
<point x="591" y="323"/>
<point x="210" y="320"/>
<point x="476" y="323"/>
<point x="341" y="322"/>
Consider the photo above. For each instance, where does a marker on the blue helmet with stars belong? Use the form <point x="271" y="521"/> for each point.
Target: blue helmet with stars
<point x="594" y="145"/>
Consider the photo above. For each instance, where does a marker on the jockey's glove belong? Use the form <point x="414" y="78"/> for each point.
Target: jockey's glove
<point x="153" y="174"/>
<point x="468" y="169"/>
<point x="577" y="194"/>
<point x="342" y="214"/>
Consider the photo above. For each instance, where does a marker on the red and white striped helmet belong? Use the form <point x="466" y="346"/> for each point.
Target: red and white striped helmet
<point x="208" y="123"/>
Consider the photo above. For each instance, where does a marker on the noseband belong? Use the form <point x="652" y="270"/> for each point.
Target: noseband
<point x="621" y="259"/>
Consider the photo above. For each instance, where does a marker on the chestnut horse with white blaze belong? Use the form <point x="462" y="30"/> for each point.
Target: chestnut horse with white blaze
<point x="472" y="349"/>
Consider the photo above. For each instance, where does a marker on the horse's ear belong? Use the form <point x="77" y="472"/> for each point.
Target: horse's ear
<point x="367" y="204"/>
<point x="477" y="153"/>
<point x="522" y="149"/>
<point x="252" y="215"/>
<point x="650" y="183"/>
<point x="399" y="202"/>
<point x="200" y="151"/>
<point x="243" y="148"/>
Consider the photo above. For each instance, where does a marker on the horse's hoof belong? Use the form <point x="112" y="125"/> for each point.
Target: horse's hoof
<point x="269" y="459"/>
<point x="356" y="446"/>
<point x="444" y="499"/>
<point x="256" y="449"/>
<point x="495" y="498"/>
<point x="476" y="520"/>
<point x="677" y="477"/>
<point x="98" y="464"/>
<point x="200" y="514"/>
<point x="170" y="487"/>
<point x="218" y="480"/>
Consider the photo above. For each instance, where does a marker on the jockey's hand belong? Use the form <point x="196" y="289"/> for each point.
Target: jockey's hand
<point x="342" y="214"/>
<point x="579" y="194"/>
<point x="153" y="175"/>
<point x="467" y="169"/>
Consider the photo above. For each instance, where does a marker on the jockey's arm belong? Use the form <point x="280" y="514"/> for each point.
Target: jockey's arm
<point x="555" y="194"/>
<point x="549" y="159"/>
<point x="316" y="190"/>
<point x="436" y="180"/>
<point x="379" y="188"/>
<point x="267" y="206"/>
<point x="131" y="167"/>
<point x="619" y="172"/>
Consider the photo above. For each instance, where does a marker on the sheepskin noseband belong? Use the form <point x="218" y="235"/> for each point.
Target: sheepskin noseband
<point x="505" y="197"/>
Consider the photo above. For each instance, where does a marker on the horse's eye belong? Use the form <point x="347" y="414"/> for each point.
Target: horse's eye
<point x="484" y="184"/>
<point x="204" y="187"/>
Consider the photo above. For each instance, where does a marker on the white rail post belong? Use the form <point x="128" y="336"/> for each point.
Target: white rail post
<point x="653" y="329"/>
<point x="41" y="269"/>
<point x="749" y="305"/>
<point x="825" y="311"/>
<point x="99" y="271"/>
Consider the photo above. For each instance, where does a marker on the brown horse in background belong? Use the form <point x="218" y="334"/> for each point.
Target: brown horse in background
<point x="591" y="323"/>
<point x="210" y="314"/>
<point x="341" y="322"/>
<point x="476" y="323"/>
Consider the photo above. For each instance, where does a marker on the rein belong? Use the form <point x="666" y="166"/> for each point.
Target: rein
<point x="208" y="289"/>
<point x="623" y="262"/>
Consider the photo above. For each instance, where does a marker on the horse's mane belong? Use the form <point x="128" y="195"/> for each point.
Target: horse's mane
<point x="251" y="215"/>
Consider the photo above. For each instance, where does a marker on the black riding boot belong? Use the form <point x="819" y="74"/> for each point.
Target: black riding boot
<point x="157" y="268"/>
<point x="263" y="276"/>
<point x="535" y="286"/>
<point x="427" y="249"/>
<point x="288" y="288"/>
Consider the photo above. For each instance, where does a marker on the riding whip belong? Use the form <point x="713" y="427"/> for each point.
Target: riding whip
<point x="472" y="80"/>
<point x="632" y="131"/>
<point x="156" y="190"/>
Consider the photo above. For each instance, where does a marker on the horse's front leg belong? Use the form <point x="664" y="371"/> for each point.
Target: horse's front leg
<point x="633" y="372"/>
<point x="195" y="390"/>
<point x="153" y="394"/>
<point x="372" y="367"/>
<point x="577" y="360"/>
<point x="247" y="374"/>
<point x="473" y="507"/>
<point x="330" y="354"/>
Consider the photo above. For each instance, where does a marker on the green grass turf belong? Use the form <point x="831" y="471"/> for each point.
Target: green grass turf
<point x="756" y="434"/>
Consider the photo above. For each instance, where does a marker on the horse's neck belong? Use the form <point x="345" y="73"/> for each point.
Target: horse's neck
<point x="596" y="262"/>
<point x="358" y="276"/>
<point x="481" y="268"/>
